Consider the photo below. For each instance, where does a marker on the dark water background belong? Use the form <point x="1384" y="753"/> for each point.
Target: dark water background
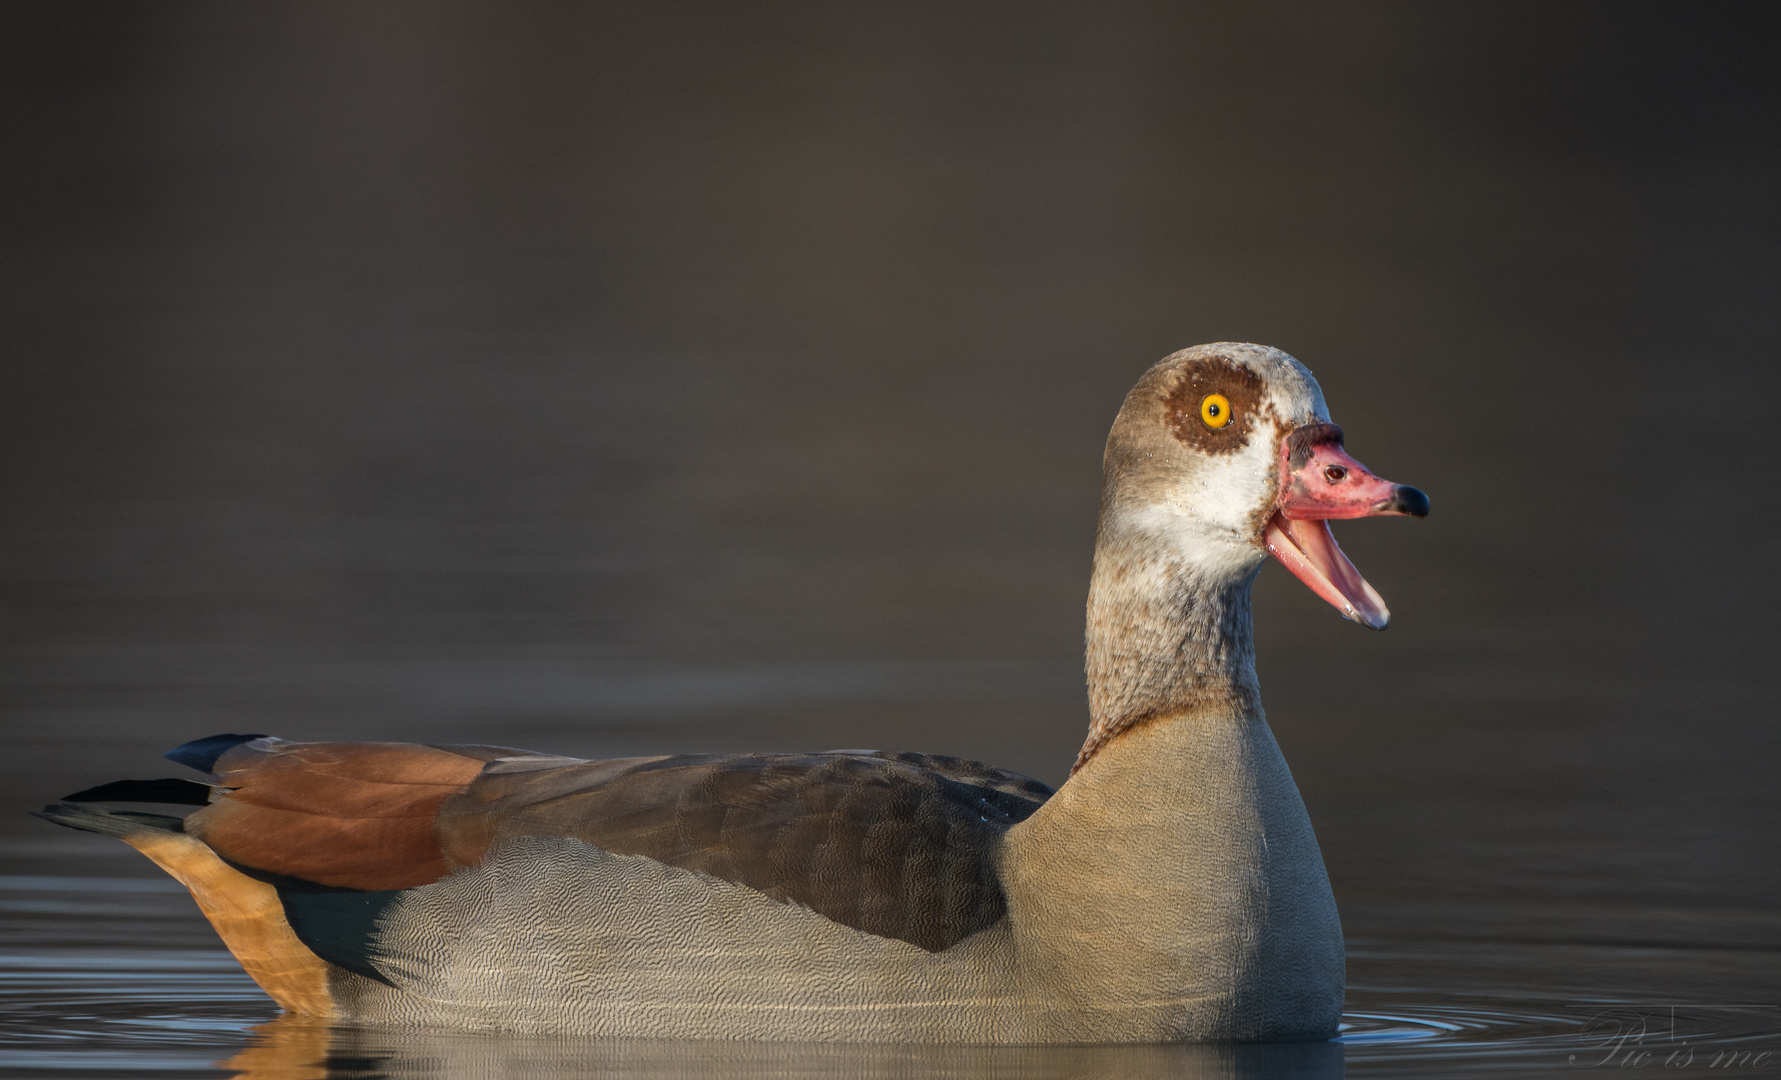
<point x="620" y="378"/>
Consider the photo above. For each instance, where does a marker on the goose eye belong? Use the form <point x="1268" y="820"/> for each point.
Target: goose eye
<point x="1215" y="410"/>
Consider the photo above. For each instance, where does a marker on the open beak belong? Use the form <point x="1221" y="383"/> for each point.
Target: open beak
<point x="1319" y="483"/>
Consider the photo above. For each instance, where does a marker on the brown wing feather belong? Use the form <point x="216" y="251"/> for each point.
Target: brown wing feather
<point x="344" y="815"/>
<point x="899" y="845"/>
<point x="902" y="846"/>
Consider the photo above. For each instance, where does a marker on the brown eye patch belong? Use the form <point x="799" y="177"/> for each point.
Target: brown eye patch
<point x="1215" y="375"/>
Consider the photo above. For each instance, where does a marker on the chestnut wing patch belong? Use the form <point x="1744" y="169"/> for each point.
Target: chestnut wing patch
<point x="902" y="846"/>
<point x="337" y="815"/>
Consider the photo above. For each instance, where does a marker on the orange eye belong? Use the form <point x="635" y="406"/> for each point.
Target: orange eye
<point x="1215" y="410"/>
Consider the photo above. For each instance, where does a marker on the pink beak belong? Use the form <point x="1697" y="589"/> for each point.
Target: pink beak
<point x="1319" y="483"/>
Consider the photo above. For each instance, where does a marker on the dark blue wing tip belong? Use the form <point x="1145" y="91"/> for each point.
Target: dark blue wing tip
<point x="201" y="754"/>
<point x="340" y="927"/>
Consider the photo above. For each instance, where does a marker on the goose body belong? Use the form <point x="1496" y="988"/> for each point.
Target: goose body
<point x="1171" y="890"/>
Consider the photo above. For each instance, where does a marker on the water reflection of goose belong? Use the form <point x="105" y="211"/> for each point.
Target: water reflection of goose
<point x="299" y="1048"/>
<point x="1171" y="890"/>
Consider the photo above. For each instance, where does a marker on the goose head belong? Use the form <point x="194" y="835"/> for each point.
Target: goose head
<point x="1223" y="455"/>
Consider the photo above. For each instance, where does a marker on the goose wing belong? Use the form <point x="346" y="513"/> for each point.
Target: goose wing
<point x="898" y="845"/>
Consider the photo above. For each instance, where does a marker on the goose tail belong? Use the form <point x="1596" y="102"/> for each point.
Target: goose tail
<point x="246" y="913"/>
<point x="123" y="824"/>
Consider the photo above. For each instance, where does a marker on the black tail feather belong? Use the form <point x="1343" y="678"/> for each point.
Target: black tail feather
<point x="120" y="823"/>
<point x="174" y="791"/>
<point x="201" y="754"/>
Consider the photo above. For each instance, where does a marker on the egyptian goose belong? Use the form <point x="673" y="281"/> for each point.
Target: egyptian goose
<point x="1171" y="889"/>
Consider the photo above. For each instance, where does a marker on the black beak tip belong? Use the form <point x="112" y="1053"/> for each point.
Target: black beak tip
<point x="1408" y="500"/>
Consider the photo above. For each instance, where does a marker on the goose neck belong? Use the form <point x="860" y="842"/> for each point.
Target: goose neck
<point x="1169" y="637"/>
